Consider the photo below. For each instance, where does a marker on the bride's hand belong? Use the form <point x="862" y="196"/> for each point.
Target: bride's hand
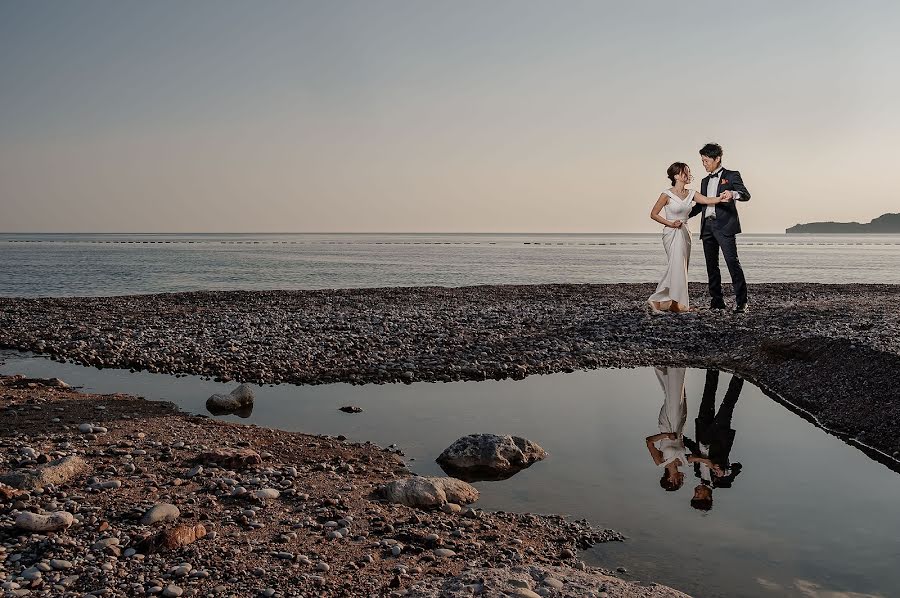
<point x="677" y="224"/>
<point x="724" y="197"/>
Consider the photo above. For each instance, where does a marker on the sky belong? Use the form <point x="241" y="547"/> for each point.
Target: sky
<point x="438" y="116"/>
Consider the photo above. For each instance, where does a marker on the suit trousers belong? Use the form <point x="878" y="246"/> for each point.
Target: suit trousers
<point x="714" y="240"/>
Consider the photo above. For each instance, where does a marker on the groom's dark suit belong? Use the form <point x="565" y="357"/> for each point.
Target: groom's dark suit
<point x="714" y="430"/>
<point x="719" y="233"/>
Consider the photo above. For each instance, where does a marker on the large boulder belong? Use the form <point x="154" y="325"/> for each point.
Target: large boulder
<point x="424" y="492"/>
<point x="239" y="401"/>
<point x="489" y="457"/>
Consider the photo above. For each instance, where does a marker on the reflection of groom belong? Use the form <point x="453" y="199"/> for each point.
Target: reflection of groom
<point x="715" y="437"/>
<point x="720" y="225"/>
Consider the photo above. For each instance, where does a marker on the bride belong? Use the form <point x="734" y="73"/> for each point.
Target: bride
<point x="672" y="292"/>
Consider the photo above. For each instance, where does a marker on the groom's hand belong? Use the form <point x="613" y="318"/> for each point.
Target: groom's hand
<point x="726" y="196"/>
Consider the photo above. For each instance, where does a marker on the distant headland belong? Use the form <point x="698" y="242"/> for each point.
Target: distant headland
<point x="887" y="223"/>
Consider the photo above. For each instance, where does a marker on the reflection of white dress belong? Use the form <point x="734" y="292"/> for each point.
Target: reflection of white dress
<point x="677" y="242"/>
<point x="673" y="414"/>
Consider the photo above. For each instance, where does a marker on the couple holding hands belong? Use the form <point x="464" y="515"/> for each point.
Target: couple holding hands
<point x="720" y="225"/>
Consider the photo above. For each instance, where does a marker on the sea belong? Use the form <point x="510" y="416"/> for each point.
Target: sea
<point x="117" y="264"/>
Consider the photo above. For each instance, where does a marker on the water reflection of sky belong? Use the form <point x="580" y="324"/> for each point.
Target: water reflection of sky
<point x="807" y="514"/>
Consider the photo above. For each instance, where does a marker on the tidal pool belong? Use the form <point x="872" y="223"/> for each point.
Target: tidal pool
<point x="798" y="513"/>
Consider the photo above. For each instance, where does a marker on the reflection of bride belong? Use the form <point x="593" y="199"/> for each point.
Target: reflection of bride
<point x="667" y="448"/>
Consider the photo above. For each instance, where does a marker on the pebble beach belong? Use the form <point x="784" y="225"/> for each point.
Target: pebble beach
<point x="831" y="351"/>
<point x="160" y="502"/>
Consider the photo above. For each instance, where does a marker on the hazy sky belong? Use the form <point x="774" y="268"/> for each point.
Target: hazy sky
<point x="419" y="115"/>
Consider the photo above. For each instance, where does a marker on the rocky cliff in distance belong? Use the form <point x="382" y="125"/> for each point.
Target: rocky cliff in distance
<point x="887" y="223"/>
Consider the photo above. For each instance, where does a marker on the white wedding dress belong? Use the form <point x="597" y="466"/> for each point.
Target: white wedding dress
<point x="677" y="242"/>
<point x="672" y="415"/>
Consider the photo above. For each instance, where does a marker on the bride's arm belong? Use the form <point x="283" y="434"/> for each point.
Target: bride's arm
<point x="708" y="201"/>
<point x="655" y="453"/>
<point x="657" y="208"/>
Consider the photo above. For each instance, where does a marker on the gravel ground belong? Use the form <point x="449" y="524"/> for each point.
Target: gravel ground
<point x="300" y="517"/>
<point x="831" y="350"/>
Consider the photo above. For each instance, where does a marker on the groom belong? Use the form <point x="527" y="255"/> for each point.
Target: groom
<point x="720" y="225"/>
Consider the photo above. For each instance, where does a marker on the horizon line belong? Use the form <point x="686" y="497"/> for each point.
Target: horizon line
<point x="351" y="233"/>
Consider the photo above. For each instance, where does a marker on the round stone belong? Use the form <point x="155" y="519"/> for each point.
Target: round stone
<point x="172" y="591"/>
<point x="160" y="513"/>
<point x="267" y="494"/>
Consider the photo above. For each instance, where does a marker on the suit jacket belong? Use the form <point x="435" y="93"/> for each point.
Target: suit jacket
<point x="726" y="220"/>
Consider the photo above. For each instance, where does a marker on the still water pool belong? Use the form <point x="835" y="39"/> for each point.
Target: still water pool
<point x="801" y="513"/>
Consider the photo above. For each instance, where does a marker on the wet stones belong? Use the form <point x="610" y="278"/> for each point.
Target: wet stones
<point x="351" y="409"/>
<point x="489" y="456"/>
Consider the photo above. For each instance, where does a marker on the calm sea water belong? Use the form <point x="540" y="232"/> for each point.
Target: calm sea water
<point x="115" y="264"/>
<point x="807" y="516"/>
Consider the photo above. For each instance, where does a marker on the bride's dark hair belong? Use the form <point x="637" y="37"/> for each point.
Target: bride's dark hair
<point x="674" y="169"/>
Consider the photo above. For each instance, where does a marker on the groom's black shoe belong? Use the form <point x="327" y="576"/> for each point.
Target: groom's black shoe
<point x="741" y="308"/>
<point x="717" y="304"/>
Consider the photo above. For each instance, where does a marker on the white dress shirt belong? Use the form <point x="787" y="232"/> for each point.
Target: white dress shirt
<point x="712" y="190"/>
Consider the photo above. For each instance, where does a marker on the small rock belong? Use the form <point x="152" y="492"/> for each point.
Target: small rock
<point x="172" y="591"/>
<point x="232" y="458"/>
<point x="160" y="513"/>
<point x="553" y="583"/>
<point x="267" y="494"/>
<point x="35" y="522"/>
<point x="173" y="538"/>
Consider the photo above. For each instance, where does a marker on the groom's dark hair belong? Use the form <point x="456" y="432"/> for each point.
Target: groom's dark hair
<point x="711" y="150"/>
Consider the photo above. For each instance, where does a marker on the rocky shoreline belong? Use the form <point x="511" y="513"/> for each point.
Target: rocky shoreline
<point x="832" y="351"/>
<point x="114" y="495"/>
